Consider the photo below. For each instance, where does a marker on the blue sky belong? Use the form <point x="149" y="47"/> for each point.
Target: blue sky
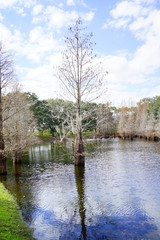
<point x="127" y="36"/>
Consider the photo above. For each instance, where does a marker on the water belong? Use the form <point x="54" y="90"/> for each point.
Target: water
<point x="116" y="196"/>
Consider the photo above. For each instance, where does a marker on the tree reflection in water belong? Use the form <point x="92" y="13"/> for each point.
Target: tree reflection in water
<point x="80" y="184"/>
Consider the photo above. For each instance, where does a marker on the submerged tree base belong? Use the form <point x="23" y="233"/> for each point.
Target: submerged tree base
<point x="17" y="159"/>
<point x="79" y="159"/>
<point x="79" y="156"/>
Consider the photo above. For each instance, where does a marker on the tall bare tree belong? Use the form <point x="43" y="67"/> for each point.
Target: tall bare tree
<point x="81" y="76"/>
<point x="6" y="75"/>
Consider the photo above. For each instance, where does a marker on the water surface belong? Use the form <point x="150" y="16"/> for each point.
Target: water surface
<point x="116" y="195"/>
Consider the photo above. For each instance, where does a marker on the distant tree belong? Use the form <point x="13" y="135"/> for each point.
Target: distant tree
<point x="157" y="125"/>
<point x="105" y="121"/>
<point x="150" y="126"/>
<point x="18" y="124"/>
<point x="42" y="113"/>
<point x="80" y="77"/>
<point x="153" y="105"/>
<point x="122" y="120"/>
<point x="6" y="75"/>
<point x="130" y="124"/>
<point x="63" y="116"/>
<point x="141" y="118"/>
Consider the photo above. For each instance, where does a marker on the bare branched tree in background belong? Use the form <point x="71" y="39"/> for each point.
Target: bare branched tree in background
<point x="6" y="75"/>
<point x="18" y="124"/>
<point x="81" y="76"/>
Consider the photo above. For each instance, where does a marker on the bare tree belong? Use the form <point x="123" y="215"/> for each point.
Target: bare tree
<point x="123" y="118"/>
<point x="81" y="76"/>
<point x="6" y="75"/>
<point x="150" y="126"/>
<point x="157" y="125"/>
<point x="141" y="119"/>
<point x="104" y="120"/>
<point x="130" y="124"/>
<point x="18" y="124"/>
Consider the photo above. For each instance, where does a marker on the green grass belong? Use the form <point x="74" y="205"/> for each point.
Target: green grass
<point x="88" y="133"/>
<point x="45" y="134"/>
<point x="11" y="225"/>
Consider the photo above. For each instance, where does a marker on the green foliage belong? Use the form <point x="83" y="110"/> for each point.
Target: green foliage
<point x="11" y="225"/>
<point x="58" y="115"/>
<point x="42" y="113"/>
<point x="153" y="105"/>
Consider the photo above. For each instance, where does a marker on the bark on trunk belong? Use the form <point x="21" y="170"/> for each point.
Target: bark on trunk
<point x="79" y="155"/>
<point x="17" y="157"/>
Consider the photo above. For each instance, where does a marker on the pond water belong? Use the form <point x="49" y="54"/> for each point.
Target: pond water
<point x="116" y="195"/>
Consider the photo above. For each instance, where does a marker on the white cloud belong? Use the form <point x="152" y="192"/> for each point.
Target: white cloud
<point x="70" y="2"/>
<point x="7" y="3"/>
<point x="117" y="24"/>
<point x="88" y="17"/>
<point x="37" y="9"/>
<point x="12" y="40"/>
<point x="144" y="27"/>
<point x="10" y="3"/>
<point x="121" y="70"/>
<point x="127" y="11"/>
<point x="41" y="81"/>
<point x="35" y="47"/>
<point x="59" y="18"/>
<point x="39" y="44"/>
<point x="121" y="95"/>
<point x="56" y="18"/>
<point x="142" y="19"/>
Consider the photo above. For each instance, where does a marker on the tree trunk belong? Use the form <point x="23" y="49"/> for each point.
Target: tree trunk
<point x="17" y="159"/>
<point x="3" y="168"/>
<point x="79" y="156"/>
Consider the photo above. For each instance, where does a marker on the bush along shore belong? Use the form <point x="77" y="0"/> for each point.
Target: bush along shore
<point x="12" y="226"/>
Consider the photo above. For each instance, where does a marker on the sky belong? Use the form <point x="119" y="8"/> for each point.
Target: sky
<point x="127" y="36"/>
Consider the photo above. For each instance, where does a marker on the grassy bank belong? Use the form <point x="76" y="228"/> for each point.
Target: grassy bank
<point x="11" y="225"/>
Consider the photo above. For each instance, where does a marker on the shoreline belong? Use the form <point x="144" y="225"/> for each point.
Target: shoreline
<point x="11" y="224"/>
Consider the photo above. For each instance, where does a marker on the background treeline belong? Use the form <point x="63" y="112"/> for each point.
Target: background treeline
<point x="25" y="117"/>
<point x="58" y="117"/>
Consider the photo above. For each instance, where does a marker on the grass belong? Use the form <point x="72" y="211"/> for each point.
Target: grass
<point x="11" y="225"/>
<point x="45" y="134"/>
<point x="85" y="133"/>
